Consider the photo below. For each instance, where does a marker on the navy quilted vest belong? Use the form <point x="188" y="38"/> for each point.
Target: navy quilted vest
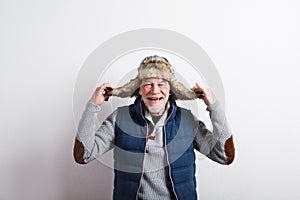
<point x="131" y="132"/>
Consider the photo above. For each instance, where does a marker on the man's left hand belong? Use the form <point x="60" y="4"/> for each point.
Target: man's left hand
<point x="207" y="95"/>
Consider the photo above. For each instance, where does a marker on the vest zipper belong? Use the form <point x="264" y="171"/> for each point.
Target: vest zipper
<point x="167" y="155"/>
<point x="146" y="138"/>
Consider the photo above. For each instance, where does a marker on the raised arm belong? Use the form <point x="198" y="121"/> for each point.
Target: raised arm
<point x="92" y="140"/>
<point x="217" y="144"/>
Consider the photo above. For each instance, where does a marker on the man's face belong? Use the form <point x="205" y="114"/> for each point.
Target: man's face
<point x="155" y="93"/>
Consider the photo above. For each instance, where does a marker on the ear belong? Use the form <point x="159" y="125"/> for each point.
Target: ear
<point x="140" y="91"/>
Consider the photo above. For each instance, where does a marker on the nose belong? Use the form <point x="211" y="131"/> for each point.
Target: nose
<point x="155" y="89"/>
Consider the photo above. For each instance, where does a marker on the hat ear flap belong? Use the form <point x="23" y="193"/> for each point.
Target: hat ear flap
<point x="180" y="92"/>
<point x="127" y="90"/>
<point x="136" y="93"/>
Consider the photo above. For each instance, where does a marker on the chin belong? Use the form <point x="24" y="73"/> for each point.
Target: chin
<point x="156" y="109"/>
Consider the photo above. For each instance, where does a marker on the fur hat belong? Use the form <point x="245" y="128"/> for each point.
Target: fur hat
<point x="154" y="67"/>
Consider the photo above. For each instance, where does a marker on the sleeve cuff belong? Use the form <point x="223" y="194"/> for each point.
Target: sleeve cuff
<point x="215" y="106"/>
<point x="91" y="107"/>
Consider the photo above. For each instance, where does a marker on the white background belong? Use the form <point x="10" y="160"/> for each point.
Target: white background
<point x="255" y="46"/>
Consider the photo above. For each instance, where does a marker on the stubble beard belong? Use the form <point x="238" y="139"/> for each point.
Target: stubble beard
<point x="156" y="109"/>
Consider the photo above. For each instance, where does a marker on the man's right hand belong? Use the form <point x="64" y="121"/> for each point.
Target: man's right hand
<point x="99" y="95"/>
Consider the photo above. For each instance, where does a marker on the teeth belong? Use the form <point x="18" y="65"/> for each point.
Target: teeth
<point x="155" y="98"/>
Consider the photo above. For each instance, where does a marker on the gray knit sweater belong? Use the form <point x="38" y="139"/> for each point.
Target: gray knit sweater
<point x="155" y="183"/>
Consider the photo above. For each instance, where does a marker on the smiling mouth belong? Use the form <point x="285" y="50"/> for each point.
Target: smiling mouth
<point x="155" y="98"/>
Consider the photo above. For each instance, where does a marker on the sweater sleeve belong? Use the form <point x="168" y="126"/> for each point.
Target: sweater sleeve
<point x="95" y="139"/>
<point x="216" y="144"/>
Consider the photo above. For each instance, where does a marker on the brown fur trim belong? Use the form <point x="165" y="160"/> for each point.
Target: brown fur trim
<point x="155" y="70"/>
<point x="181" y="92"/>
<point x="128" y="89"/>
<point x="131" y="89"/>
<point x="155" y="67"/>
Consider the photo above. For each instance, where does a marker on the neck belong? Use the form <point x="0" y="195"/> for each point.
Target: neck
<point x="157" y="114"/>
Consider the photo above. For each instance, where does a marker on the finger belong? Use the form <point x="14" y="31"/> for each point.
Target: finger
<point x="105" y="90"/>
<point x="108" y="88"/>
<point x="200" y="91"/>
<point x="199" y="86"/>
<point x="102" y="87"/>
